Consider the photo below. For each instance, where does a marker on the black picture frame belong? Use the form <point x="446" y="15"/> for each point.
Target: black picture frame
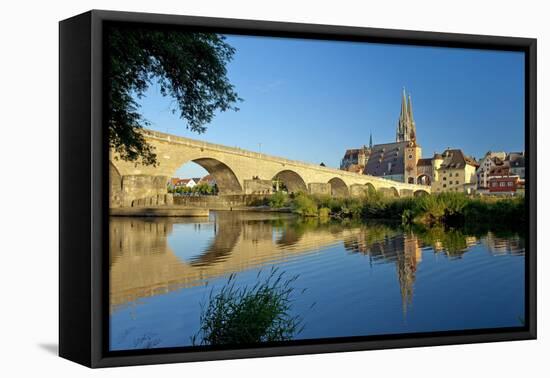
<point x="83" y="181"/>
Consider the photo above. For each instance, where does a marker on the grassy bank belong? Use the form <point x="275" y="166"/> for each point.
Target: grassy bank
<point x="439" y="209"/>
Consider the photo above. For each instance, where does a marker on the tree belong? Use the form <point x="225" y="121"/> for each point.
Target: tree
<point x="190" y="67"/>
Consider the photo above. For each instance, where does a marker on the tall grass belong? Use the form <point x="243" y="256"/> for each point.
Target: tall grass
<point x="249" y="315"/>
<point x="437" y="209"/>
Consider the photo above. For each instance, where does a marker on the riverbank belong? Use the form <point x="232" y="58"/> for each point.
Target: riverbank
<point x="449" y="209"/>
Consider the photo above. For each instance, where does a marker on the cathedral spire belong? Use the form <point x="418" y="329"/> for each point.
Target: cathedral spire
<point x="370" y="141"/>
<point x="410" y="108"/>
<point x="406" y="128"/>
<point x="412" y="130"/>
<point x="404" y="110"/>
<point x="401" y="126"/>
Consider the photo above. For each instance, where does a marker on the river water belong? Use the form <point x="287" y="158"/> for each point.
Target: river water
<point x="360" y="278"/>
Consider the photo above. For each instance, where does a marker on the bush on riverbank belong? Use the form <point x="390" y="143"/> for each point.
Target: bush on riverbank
<point x="278" y="200"/>
<point x="448" y="209"/>
<point x="304" y="205"/>
<point x="436" y="209"/>
<point x="250" y="315"/>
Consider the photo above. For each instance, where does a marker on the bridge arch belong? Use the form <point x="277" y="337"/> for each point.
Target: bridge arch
<point x="370" y="188"/>
<point x="292" y="180"/>
<point x="420" y="192"/>
<point x="389" y="192"/>
<point x="338" y="187"/>
<point x="219" y="249"/>
<point x="226" y="179"/>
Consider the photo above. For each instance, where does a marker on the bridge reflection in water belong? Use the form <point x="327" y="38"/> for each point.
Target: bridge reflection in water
<point x="152" y="256"/>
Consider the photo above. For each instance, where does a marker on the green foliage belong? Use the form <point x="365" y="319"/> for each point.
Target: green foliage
<point x="507" y="210"/>
<point x="202" y="189"/>
<point x="457" y="208"/>
<point x="249" y="315"/>
<point x="205" y="189"/>
<point x="438" y="208"/>
<point x="407" y="216"/>
<point x="324" y="212"/>
<point x="325" y="205"/>
<point x="374" y="205"/>
<point x="278" y="200"/>
<point x="450" y="209"/>
<point x="304" y="205"/>
<point x="189" y="67"/>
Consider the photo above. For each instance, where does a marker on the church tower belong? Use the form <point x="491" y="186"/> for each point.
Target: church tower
<point x="406" y="132"/>
<point x="406" y="127"/>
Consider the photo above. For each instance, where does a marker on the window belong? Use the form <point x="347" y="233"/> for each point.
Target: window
<point x="444" y="185"/>
<point x="410" y="157"/>
<point x="456" y="175"/>
<point x="494" y="184"/>
<point x="510" y="183"/>
<point x="456" y="182"/>
<point x="444" y="178"/>
<point x="502" y="184"/>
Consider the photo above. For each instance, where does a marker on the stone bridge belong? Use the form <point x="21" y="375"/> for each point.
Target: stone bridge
<point x="236" y="171"/>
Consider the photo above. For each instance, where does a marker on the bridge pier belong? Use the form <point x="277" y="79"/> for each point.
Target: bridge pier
<point x="257" y="186"/>
<point x="138" y="191"/>
<point x="389" y="192"/>
<point x="319" y="188"/>
<point x="357" y="190"/>
<point x="407" y="193"/>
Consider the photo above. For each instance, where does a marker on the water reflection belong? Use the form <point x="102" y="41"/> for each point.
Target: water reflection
<point x="152" y="256"/>
<point x="365" y="278"/>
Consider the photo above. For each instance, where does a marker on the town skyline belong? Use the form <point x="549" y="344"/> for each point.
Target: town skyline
<point x="347" y="97"/>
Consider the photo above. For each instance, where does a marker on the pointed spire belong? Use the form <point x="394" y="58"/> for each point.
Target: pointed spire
<point x="404" y="112"/>
<point x="403" y="125"/>
<point x="370" y="141"/>
<point x="410" y="108"/>
<point x="412" y="130"/>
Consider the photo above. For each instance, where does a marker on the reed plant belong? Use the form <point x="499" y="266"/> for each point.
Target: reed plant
<point x="251" y="314"/>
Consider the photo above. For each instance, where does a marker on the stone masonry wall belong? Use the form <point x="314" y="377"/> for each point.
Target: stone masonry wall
<point x="319" y="188"/>
<point x="138" y="191"/>
<point x="222" y="202"/>
<point x="258" y="186"/>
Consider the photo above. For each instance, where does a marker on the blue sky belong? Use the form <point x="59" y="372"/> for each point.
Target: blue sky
<point x="311" y="100"/>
